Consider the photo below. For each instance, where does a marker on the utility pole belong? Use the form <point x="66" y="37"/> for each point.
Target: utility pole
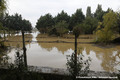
<point x="75" y="56"/>
<point x="24" y="50"/>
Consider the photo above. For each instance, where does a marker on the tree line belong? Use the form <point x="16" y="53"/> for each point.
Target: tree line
<point x="15" y="22"/>
<point x="104" y="24"/>
<point x="63" y="23"/>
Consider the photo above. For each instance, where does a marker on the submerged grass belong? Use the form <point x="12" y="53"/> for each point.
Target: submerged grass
<point x="17" y="40"/>
<point x="66" y="38"/>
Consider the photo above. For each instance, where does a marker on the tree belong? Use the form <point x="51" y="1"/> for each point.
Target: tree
<point x="89" y="25"/>
<point x="77" y="18"/>
<point x="27" y="25"/>
<point x="15" y="22"/>
<point x="60" y="28"/>
<point x="3" y="7"/>
<point x="99" y="13"/>
<point x="63" y="16"/>
<point x="88" y="12"/>
<point x="81" y="68"/>
<point x="110" y="23"/>
<point x="44" y="23"/>
<point x="118" y="14"/>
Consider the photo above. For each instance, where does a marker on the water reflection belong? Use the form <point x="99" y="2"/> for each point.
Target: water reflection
<point x="108" y="56"/>
<point x="60" y="46"/>
<point x="102" y="58"/>
<point x="54" y="54"/>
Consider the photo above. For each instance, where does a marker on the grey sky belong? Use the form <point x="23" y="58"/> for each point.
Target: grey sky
<point x="33" y="9"/>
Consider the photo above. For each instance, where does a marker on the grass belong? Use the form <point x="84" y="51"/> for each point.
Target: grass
<point x="66" y="38"/>
<point x="17" y="40"/>
<point x="28" y="37"/>
<point x="66" y="35"/>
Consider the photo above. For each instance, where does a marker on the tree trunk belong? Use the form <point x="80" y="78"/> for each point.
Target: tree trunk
<point x="24" y="50"/>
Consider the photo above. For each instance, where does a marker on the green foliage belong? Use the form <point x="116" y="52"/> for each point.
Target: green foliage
<point x="82" y="65"/>
<point x="99" y="13"/>
<point x="110" y="21"/>
<point x="118" y="14"/>
<point x="19" y="61"/>
<point x="15" y="22"/>
<point x="59" y="29"/>
<point x="76" y="18"/>
<point x="77" y="30"/>
<point x="89" y="25"/>
<point x="53" y="31"/>
<point x="63" y="16"/>
<point x="3" y="6"/>
<point x="88" y="12"/>
<point x="26" y="25"/>
<point x="110" y="24"/>
<point x="44" y="23"/>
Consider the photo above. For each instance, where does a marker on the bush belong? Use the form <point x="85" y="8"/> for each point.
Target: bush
<point x="82" y="65"/>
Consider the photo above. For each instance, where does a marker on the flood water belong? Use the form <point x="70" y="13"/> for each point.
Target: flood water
<point x="54" y="54"/>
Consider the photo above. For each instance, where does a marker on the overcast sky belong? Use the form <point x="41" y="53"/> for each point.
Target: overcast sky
<point x="33" y="9"/>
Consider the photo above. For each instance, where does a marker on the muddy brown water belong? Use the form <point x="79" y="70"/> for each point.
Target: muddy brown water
<point x="54" y="54"/>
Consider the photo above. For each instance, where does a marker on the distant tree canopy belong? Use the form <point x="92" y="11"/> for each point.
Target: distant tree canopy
<point x="99" y="13"/>
<point x="15" y="22"/>
<point x="44" y="23"/>
<point x="88" y="24"/>
<point x="77" y="18"/>
<point x="12" y="22"/>
<point x="59" y="29"/>
<point x="63" y="16"/>
<point x="88" y="12"/>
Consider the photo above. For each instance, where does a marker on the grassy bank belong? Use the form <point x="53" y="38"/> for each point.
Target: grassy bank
<point x="65" y="38"/>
